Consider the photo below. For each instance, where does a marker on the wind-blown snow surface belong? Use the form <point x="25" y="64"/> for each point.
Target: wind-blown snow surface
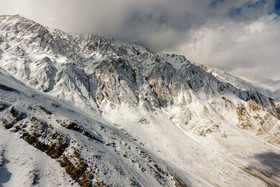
<point x="86" y="110"/>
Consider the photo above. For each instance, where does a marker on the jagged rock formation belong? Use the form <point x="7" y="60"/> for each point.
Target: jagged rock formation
<point x="181" y="113"/>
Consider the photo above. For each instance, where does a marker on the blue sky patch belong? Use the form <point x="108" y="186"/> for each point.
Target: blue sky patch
<point x="277" y="7"/>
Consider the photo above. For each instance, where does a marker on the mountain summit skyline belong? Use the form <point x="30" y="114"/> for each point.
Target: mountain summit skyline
<point x="240" y="37"/>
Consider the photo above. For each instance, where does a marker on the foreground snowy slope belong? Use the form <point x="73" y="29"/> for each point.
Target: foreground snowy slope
<point x="43" y="140"/>
<point x="118" y="114"/>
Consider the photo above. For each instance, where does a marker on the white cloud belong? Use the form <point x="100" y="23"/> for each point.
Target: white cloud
<point x="250" y="50"/>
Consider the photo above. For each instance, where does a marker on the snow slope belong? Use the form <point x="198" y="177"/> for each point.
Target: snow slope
<point x="101" y="111"/>
<point x="41" y="134"/>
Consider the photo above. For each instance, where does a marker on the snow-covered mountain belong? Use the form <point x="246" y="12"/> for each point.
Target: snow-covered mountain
<point x="85" y="110"/>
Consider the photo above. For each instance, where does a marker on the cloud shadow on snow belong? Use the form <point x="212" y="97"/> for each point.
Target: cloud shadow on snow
<point x="5" y="175"/>
<point x="270" y="162"/>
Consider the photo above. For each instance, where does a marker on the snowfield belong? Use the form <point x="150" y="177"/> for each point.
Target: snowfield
<point x="83" y="110"/>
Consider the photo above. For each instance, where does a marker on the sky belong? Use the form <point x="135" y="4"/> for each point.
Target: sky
<point x="238" y="36"/>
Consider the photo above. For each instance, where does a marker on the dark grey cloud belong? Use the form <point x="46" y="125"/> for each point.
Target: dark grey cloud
<point x="238" y="36"/>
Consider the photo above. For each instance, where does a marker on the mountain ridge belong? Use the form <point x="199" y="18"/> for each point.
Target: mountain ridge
<point x="160" y="100"/>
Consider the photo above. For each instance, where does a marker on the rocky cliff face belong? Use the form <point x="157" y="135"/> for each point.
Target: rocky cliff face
<point x="163" y="100"/>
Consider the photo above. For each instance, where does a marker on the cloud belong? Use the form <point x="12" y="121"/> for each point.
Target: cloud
<point x="228" y="34"/>
<point x="247" y="49"/>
